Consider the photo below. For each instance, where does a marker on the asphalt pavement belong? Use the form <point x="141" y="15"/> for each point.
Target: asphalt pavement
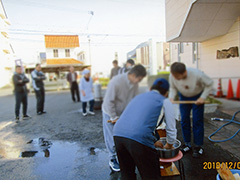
<point x="76" y="147"/>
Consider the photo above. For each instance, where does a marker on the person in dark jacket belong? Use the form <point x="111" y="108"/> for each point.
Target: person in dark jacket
<point x="20" y="90"/>
<point x="38" y="85"/>
<point x="115" y="69"/>
<point x="72" y="79"/>
<point x="129" y="65"/>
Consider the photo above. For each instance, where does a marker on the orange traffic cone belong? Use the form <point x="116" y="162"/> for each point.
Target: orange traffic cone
<point x="219" y="89"/>
<point x="238" y="90"/>
<point x="230" y="90"/>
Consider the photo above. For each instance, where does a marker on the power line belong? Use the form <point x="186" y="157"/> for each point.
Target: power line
<point x="85" y="43"/>
<point x="39" y="32"/>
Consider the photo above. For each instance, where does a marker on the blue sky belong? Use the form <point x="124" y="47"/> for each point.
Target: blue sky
<point x="116" y="26"/>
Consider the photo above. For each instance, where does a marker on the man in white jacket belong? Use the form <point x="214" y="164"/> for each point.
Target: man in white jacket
<point x="86" y="92"/>
<point x="192" y="85"/>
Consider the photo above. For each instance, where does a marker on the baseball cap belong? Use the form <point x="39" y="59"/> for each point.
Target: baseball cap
<point x="163" y="83"/>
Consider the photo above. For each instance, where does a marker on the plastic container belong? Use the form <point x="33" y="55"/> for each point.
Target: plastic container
<point x="97" y="92"/>
<point x="234" y="171"/>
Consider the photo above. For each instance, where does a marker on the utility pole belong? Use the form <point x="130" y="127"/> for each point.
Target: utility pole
<point x="89" y="40"/>
<point x="89" y="46"/>
<point x="116" y="56"/>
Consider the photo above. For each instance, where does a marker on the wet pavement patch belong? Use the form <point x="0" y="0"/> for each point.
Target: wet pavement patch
<point x="64" y="160"/>
<point x="74" y="161"/>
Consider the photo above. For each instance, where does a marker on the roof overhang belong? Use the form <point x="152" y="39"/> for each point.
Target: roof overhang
<point x="58" y="68"/>
<point x="207" y="19"/>
<point x="64" y="61"/>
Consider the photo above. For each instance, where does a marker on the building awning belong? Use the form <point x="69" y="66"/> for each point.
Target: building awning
<point x="132" y="54"/>
<point x="61" y="41"/>
<point x="60" y="65"/>
<point x="58" y="68"/>
<point x="63" y="61"/>
<point x="207" y="19"/>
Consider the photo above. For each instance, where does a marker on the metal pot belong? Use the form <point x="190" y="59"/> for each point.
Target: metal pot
<point x="168" y="153"/>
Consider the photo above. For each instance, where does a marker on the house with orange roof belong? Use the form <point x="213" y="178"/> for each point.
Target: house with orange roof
<point x="61" y="50"/>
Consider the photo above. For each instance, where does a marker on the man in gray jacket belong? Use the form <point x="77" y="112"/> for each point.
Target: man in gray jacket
<point x="38" y="85"/>
<point x="120" y="91"/>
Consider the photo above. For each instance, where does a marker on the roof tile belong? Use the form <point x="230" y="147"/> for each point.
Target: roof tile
<point x="61" y="41"/>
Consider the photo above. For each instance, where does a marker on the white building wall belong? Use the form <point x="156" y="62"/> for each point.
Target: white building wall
<point x="222" y="68"/>
<point x="159" y="63"/>
<point x="208" y="63"/>
<point x="174" y="52"/>
<point x="152" y="57"/>
<point x="187" y="56"/>
<point x="138" y="56"/>
<point x="153" y="65"/>
<point x="61" y="53"/>
<point x="6" y="54"/>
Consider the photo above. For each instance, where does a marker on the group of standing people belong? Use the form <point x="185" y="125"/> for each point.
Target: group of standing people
<point x="129" y="119"/>
<point x="21" y="92"/>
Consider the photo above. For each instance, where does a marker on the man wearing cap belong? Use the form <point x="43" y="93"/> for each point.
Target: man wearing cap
<point x="133" y="132"/>
<point x="86" y="89"/>
<point x="192" y="85"/>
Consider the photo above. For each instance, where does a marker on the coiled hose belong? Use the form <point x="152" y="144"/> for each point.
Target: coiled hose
<point x="228" y="122"/>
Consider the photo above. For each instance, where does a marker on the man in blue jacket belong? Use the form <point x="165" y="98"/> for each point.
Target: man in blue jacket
<point x="133" y="132"/>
